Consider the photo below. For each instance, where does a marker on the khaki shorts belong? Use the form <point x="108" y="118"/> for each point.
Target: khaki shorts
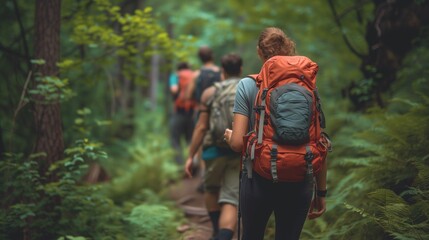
<point x="222" y="175"/>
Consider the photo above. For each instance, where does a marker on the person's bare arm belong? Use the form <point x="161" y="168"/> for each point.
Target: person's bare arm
<point x="174" y="89"/>
<point x="234" y="137"/>
<point x="199" y="130"/>
<point x="198" y="134"/>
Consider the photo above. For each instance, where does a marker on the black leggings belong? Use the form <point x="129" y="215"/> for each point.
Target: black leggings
<point x="260" y="197"/>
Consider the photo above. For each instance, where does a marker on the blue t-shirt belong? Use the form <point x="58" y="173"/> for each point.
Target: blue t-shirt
<point x="245" y="99"/>
<point x="173" y="80"/>
<point x="213" y="152"/>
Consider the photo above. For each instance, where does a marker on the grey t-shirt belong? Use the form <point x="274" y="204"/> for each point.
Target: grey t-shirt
<point x="245" y="99"/>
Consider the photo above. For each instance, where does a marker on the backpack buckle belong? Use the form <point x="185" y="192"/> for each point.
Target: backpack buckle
<point x="273" y="153"/>
<point x="308" y="156"/>
<point x="258" y="109"/>
<point x="264" y="93"/>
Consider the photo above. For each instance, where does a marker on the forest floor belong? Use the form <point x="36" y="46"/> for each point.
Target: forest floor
<point x="184" y="192"/>
<point x="187" y="197"/>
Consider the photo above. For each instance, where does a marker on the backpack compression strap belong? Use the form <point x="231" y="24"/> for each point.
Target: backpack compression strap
<point x="249" y="159"/>
<point x="262" y="118"/>
<point x="273" y="161"/>
<point x="253" y="76"/>
<point x="308" y="157"/>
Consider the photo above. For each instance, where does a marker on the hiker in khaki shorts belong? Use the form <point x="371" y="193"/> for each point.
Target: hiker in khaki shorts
<point x="221" y="179"/>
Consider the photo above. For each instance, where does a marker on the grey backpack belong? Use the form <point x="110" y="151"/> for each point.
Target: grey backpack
<point x="221" y="116"/>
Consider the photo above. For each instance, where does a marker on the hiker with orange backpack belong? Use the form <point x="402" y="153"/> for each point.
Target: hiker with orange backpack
<point x="222" y="163"/>
<point x="277" y="126"/>
<point x="182" y="121"/>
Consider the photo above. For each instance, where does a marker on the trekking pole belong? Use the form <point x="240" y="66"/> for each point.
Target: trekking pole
<point x="239" y="209"/>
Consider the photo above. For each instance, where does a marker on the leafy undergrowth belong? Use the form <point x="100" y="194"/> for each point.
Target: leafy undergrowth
<point x="132" y="205"/>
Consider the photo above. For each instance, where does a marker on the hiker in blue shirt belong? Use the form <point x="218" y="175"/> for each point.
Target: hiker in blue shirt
<point x="291" y="202"/>
<point x="182" y="119"/>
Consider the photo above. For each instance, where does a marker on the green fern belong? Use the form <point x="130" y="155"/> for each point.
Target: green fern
<point x="379" y="172"/>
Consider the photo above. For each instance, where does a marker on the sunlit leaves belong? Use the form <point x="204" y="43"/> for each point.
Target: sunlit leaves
<point x="125" y="32"/>
<point x="65" y="64"/>
<point x="69" y="237"/>
<point x="84" y="111"/>
<point x="51" y="89"/>
<point x="120" y="40"/>
<point x="93" y="34"/>
<point x="38" y="61"/>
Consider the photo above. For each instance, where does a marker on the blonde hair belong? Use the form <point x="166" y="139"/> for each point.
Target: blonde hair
<point x="273" y="41"/>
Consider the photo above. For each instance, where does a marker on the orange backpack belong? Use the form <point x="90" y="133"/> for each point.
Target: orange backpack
<point x="287" y="144"/>
<point x="185" y="77"/>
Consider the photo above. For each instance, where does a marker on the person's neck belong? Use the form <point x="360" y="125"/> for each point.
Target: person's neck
<point x="227" y="77"/>
<point x="209" y="64"/>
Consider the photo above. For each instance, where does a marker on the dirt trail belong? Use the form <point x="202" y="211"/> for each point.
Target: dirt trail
<point x="185" y="193"/>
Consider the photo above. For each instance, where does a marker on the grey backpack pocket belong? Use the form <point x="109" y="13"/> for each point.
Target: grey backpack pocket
<point x="291" y="114"/>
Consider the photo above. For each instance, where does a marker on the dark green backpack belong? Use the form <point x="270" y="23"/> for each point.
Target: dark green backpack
<point x="205" y="79"/>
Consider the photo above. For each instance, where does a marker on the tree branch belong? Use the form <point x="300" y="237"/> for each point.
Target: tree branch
<point x="22" y="32"/>
<point x="76" y="10"/>
<point x="21" y="104"/>
<point x="338" y="22"/>
<point x="354" y="7"/>
<point x="14" y="58"/>
<point x="11" y="52"/>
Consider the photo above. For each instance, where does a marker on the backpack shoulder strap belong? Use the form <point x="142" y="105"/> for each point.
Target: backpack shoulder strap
<point x="210" y="100"/>
<point x="259" y="108"/>
<point x="253" y="76"/>
<point x="322" y="120"/>
<point x="206" y="78"/>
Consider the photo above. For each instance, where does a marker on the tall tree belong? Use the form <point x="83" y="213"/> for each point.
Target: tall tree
<point x="49" y="133"/>
<point x="1" y="143"/>
<point x="389" y="36"/>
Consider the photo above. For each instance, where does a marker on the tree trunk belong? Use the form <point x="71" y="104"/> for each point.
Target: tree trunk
<point x="154" y="78"/>
<point x="124" y="85"/>
<point x="49" y="133"/>
<point x="390" y="37"/>
<point x="2" y="148"/>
